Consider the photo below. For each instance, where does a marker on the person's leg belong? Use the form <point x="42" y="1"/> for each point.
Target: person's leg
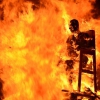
<point x="69" y="64"/>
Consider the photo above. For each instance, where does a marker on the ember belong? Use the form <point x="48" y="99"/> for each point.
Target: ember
<point x="33" y="51"/>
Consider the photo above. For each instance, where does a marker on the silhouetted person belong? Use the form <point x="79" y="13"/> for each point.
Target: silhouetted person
<point x="75" y="42"/>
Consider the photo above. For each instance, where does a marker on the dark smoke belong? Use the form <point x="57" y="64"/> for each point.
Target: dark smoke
<point x="37" y="4"/>
<point x="96" y="9"/>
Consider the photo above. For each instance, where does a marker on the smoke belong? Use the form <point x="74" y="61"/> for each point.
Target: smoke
<point x="96" y="9"/>
<point x="75" y="8"/>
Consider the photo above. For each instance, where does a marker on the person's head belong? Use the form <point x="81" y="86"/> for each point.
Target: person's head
<point x="74" y="25"/>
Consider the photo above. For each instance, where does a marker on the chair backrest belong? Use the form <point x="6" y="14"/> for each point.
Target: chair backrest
<point x="91" y="51"/>
<point x="91" y="34"/>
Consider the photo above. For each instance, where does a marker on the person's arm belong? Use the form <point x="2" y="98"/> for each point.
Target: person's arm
<point x="71" y="46"/>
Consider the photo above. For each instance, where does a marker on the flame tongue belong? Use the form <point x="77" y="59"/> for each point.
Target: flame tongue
<point x="32" y="42"/>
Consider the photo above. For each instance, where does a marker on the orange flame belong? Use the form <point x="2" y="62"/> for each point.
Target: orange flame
<point x="33" y="41"/>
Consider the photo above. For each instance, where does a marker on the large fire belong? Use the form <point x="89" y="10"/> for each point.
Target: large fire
<point x="32" y="43"/>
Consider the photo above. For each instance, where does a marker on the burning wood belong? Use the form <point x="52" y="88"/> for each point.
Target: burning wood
<point x="87" y="94"/>
<point x="85" y="43"/>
